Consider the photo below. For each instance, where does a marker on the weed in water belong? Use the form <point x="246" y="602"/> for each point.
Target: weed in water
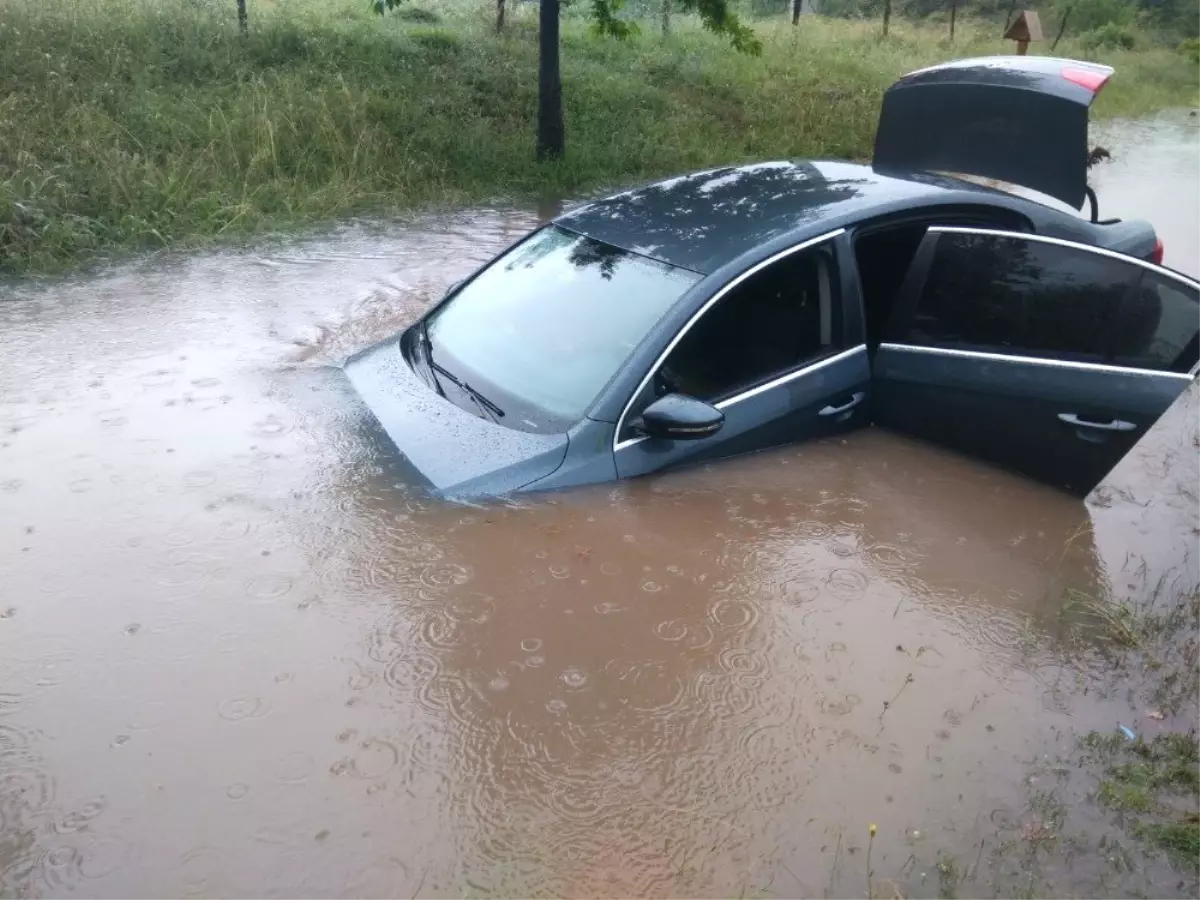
<point x="1121" y="794"/>
<point x="1156" y="786"/>
<point x="870" y="844"/>
<point x="1179" y="840"/>
<point x="1052" y="813"/>
<point x="948" y="877"/>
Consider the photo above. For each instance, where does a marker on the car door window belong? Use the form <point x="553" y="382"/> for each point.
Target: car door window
<point x="776" y="321"/>
<point x="885" y="249"/>
<point x="1020" y="297"/>
<point x="1156" y="326"/>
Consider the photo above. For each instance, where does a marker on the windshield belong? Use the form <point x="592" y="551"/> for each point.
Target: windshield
<point x="543" y="329"/>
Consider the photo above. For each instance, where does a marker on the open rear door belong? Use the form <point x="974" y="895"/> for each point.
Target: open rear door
<point x="1047" y="356"/>
<point x="1019" y="119"/>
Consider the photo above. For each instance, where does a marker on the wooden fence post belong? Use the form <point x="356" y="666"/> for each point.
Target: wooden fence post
<point x="887" y="15"/>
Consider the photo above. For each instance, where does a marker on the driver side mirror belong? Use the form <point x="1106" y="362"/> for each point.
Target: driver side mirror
<point x="678" y="417"/>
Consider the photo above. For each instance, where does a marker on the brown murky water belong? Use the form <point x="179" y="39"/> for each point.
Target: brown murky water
<point x="236" y="658"/>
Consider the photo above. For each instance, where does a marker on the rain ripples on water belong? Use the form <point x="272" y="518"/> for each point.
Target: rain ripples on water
<point x="239" y="656"/>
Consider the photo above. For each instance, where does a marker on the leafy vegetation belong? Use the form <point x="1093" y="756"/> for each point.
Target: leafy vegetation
<point x="717" y="16"/>
<point x="137" y="124"/>
<point x="1165" y="21"/>
<point x="1109" y="37"/>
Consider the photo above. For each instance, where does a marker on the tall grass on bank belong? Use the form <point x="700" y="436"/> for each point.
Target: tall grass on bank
<point x="130" y="124"/>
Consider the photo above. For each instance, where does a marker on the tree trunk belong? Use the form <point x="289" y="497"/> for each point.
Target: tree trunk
<point x="1012" y="6"/>
<point x="887" y="15"/>
<point x="1062" y="27"/>
<point x="953" y="13"/>
<point x="499" y="16"/>
<point x="241" y="16"/>
<point x="551" y="139"/>
<point x="666" y="17"/>
<point x="796" y="4"/>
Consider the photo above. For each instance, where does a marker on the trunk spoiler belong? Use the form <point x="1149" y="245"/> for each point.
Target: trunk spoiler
<point x="1020" y="119"/>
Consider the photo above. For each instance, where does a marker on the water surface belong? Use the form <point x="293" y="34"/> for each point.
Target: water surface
<point x="237" y="657"/>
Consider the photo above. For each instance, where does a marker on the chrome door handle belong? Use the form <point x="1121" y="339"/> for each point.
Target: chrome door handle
<point x="838" y="410"/>
<point x="1112" y="425"/>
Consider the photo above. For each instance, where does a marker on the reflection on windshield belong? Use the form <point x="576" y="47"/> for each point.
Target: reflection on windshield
<point x="545" y="327"/>
<point x="706" y="219"/>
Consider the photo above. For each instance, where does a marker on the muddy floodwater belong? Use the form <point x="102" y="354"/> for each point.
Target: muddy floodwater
<point x="237" y="657"/>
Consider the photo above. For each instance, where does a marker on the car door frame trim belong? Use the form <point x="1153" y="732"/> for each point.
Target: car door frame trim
<point x="708" y="304"/>
<point x="790" y="376"/>
<point x="1034" y="360"/>
<point x="766" y="386"/>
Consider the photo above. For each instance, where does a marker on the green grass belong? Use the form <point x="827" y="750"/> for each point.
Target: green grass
<point x="1179" y="840"/>
<point x="1156" y="785"/>
<point x="1125" y="793"/>
<point x="135" y="124"/>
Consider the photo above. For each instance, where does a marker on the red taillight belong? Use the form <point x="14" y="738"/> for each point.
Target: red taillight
<point x="1157" y="256"/>
<point x="1088" y="78"/>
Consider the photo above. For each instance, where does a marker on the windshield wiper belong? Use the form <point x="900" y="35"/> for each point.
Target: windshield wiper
<point x="494" y="412"/>
<point x="427" y="352"/>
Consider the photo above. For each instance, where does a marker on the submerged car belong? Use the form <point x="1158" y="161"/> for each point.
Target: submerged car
<point x="741" y="308"/>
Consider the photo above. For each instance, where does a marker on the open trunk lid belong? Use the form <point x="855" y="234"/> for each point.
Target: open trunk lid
<point x="1020" y="119"/>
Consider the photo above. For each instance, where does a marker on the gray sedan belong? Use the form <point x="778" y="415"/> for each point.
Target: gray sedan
<point x="732" y="310"/>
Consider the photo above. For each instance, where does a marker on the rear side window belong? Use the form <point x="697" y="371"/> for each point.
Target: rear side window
<point x="779" y="319"/>
<point x="1020" y="297"/>
<point x="1156" y="326"/>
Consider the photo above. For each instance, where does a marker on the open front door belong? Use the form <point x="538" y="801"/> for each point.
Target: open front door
<point x="1049" y="357"/>
<point x="1019" y="119"/>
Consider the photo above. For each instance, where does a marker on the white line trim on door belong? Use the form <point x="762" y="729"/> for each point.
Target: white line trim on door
<point x="773" y="383"/>
<point x="791" y="376"/>
<point x="1033" y="360"/>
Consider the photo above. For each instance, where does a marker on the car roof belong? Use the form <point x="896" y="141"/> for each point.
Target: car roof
<point x="705" y="220"/>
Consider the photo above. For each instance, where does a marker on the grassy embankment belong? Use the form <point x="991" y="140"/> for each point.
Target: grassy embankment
<point x="131" y="124"/>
